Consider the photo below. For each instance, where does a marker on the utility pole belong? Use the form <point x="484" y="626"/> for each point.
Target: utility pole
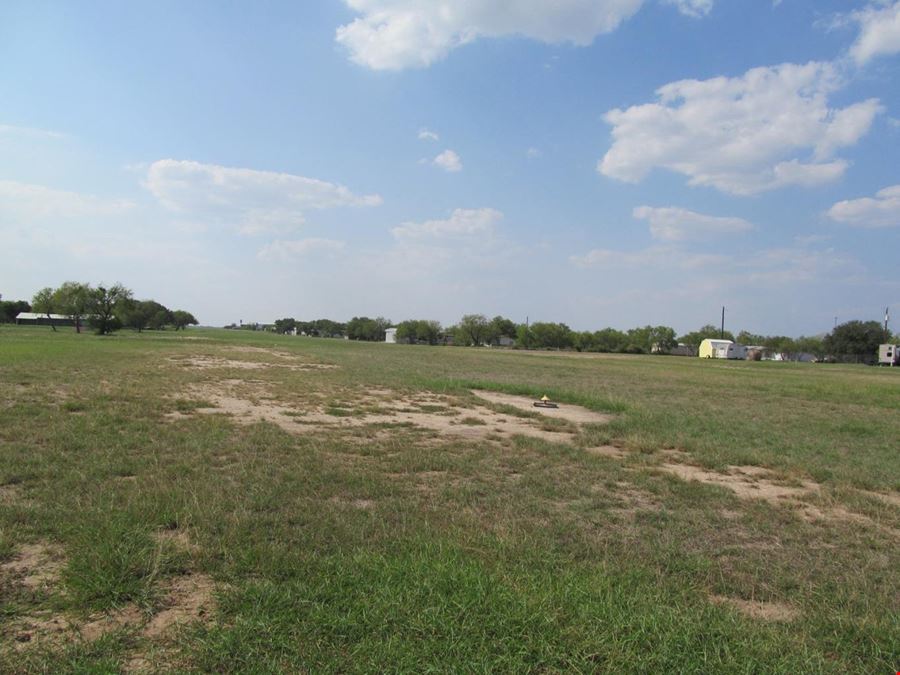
<point x="886" y="319"/>
<point x="722" y="329"/>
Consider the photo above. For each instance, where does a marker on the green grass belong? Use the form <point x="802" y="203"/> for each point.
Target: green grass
<point x="392" y="548"/>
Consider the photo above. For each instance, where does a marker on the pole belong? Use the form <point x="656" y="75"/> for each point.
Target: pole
<point x="722" y="331"/>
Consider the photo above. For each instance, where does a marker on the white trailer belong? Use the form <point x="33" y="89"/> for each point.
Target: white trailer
<point x="889" y="355"/>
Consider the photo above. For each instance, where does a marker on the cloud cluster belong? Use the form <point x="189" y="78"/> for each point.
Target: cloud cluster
<point x="27" y="201"/>
<point x="769" y="128"/>
<point x="671" y="223"/>
<point x="449" y="161"/>
<point x="881" y="211"/>
<point x="398" y="34"/>
<point x="461" y="223"/>
<point x="879" y="33"/>
<point x="250" y="200"/>
<point x="428" y="135"/>
<point x="693" y="8"/>
<point x="295" y="248"/>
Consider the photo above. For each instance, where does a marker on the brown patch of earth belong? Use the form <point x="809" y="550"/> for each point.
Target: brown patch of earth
<point x="35" y="565"/>
<point x="10" y="493"/>
<point x="481" y="424"/>
<point x="188" y="598"/>
<point x="207" y="362"/>
<point x="747" y="482"/>
<point x="752" y="482"/>
<point x="755" y="609"/>
<point x="565" y="411"/>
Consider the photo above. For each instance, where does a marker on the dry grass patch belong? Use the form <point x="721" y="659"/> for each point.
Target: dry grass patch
<point x="755" y="609"/>
<point x="571" y="413"/>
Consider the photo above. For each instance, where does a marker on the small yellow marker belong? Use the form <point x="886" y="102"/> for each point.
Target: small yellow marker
<point x="545" y="402"/>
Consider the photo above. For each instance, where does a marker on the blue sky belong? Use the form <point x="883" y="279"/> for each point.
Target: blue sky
<point x="595" y="162"/>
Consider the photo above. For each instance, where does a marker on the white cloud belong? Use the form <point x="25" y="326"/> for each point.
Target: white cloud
<point x="881" y="211"/>
<point x="11" y="130"/>
<point x="477" y="223"/>
<point x="533" y="153"/>
<point x="671" y="223"/>
<point x="448" y="161"/>
<point x="295" y="248"/>
<point x="428" y="135"/>
<point x="768" y="128"/>
<point x="654" y="257"/>
<point x="398" y="34"/>
<point x="252" y="201"/>
<point x="693" y="8"/>
<point x="27" y="201"/>
<point x="879" y="33"/>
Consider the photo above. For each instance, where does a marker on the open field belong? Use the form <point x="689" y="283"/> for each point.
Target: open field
<point x="230" y="501"/>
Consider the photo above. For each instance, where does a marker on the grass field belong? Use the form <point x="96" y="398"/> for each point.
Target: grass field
<point x="241" y="502"/>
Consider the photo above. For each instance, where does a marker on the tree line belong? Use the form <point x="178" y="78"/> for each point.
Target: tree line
<point x="854" y="339"/>
<point x="103" y="308"/>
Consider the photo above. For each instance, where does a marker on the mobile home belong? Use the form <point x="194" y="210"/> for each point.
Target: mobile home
<point x="721" y="349"/>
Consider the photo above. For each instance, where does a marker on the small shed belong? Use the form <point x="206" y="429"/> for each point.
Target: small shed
<point x="390" y="336"/>
<point x="721" y="349"/>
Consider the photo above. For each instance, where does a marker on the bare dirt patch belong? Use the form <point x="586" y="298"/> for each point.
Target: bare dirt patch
<point x="188" y="598"/>
<point x="747" y="482"/>
<point x="444" y="415"/>
<point x="755" y="609"/>
<point x="35" y="565"/>
<point x="565" y="411"/>
<point x="754" y="482"/>
<point x="10" y="493"/>
<point x="210" y="362"/>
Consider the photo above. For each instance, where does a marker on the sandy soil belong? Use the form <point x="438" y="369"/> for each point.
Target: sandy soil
<point x="565" y="411"/>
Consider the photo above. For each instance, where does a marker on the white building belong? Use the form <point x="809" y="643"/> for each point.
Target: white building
<point x="390" y="336"/>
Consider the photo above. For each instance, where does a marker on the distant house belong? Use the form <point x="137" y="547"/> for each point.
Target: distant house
<point x="721" y="349"/>
<point x="35" y="319"/>
<point x="390" y="336"/>
<point x="505" y="341"/>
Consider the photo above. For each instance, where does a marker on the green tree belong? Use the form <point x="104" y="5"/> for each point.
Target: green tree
<point x="138" y="314"/>
<point x="10" y="309"/>
<point x="472" y="329"/>
<point x="708" y="331"/>
<point x="551" y="335"/>
<point x="286" y="325"/>
<point x="609" y="340"/>
<point x="43" y="302"/>
<point x="103" y="304"/>
<point x="858" y="340"/>
<point x="73" y="299"/>
<point x="181" y="319"/>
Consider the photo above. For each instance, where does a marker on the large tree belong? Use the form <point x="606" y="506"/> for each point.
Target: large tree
<point x="856" y="339"/>
<point x="43" y="303"/>
<point x="472" y="330"/>
<point x="73" y="299"/>
<point x="708" y="331"/>
<point x="181" y="319"/>
<point x="103" y="304"/>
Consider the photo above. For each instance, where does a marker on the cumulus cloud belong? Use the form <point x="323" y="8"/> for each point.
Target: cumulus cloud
<point x="398" y="34"/>
<point x="461" y="223"/>
<point x="879" y="33"/>
<point x="448" y="161"/>
<point x="769" y="128"/>
<point x="428" y="135"/>
<point x="294" y="248"/>
<point x="693" y="8"/>
<point x="250" y="200"/>
<point x="671" y="223"/>
<point x="26" y="201"/>
<point x="881" y="211"/>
